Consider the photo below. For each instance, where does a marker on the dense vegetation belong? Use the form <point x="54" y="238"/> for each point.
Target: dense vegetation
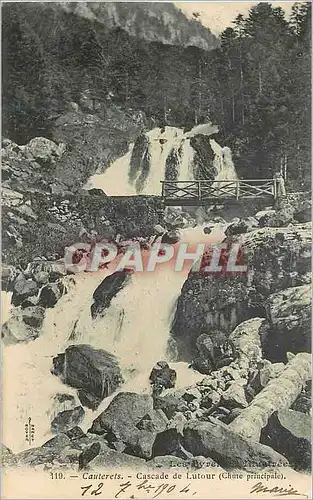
<point x="256" y="86"/>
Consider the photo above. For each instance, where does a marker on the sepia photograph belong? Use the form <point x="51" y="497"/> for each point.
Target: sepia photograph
<point x="156" y="250"/>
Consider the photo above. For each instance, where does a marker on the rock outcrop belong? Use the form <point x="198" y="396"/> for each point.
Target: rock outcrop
<point x="94" y="372"/>
<point x="275" y="258"/>
<point x="107" y="290"/>
<point x="162" y="377"/>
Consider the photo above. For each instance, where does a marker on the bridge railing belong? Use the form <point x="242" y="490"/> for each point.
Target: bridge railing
<point x="202" y="190"/>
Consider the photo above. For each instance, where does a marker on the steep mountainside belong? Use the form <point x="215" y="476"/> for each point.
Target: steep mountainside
<point x="160" y="22"/>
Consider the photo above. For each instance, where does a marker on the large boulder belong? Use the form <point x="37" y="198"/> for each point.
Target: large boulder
<point x="289" y="433"/>
<point x="289" y="317"/>
<point x="228" y="449"/>
<point x="50" y="294"/>
<point x="275" y="258"/>
<point x="131" y="419"/>
<point x="107" y="290"/>
<point x="94" y="372"/>
<point x="171" y="237"/>
<point x="162" y="377"/>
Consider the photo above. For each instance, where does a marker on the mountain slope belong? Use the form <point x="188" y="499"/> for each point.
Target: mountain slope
<point x="151" y="21"/>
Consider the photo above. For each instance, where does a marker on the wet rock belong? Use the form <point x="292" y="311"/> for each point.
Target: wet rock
<point x="217" y="441"/>
<point x="107" y="290"/>
<point x="119" y="422"/>
<point x="42" y="277"/>
<point x="22" y="289"/>
<point x="63" y="402"/>
<point x="94" y="371"/>
<point x="159" y="230"/>
<point x="177" y="422"/>
<point x="264" y="213"/>
<point x="171" y="237"/>
<point x="86" y="441"/>
<point x="50" y="294"/>
<point x="65" y="420"/>
<point x="214" y="352"/>
<point x="289" y="316"/>
<point x="289" y="433"/>
<point x="151" y="422"/>
<point x="162" y="377"/>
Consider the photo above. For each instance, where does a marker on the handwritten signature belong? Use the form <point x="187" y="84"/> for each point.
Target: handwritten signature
<point x="144" y="485"/>
<point x="277" y="490"/>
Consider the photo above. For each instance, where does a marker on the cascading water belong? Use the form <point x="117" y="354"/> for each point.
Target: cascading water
<point x="136" y="327"/>
<point x="166" y="154"/>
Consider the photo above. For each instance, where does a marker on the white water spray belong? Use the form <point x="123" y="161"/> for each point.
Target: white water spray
<point x="136" y="327"/>
<point x="161" y="143"/>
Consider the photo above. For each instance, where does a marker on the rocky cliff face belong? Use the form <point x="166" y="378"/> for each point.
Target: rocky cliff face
<point x="276" y="259"/>
<point x="161" y="22"/>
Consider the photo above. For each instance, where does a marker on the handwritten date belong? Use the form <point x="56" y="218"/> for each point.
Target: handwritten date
<point x="145" y="486"/>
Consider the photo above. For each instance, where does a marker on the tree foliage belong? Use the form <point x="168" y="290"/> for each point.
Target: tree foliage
<point x="256" y="86"/>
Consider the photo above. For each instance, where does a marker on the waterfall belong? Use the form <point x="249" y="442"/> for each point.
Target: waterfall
<point x="136" y="327"/>
<point x="157" y="155"/>
<point x="223" y="162"/>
